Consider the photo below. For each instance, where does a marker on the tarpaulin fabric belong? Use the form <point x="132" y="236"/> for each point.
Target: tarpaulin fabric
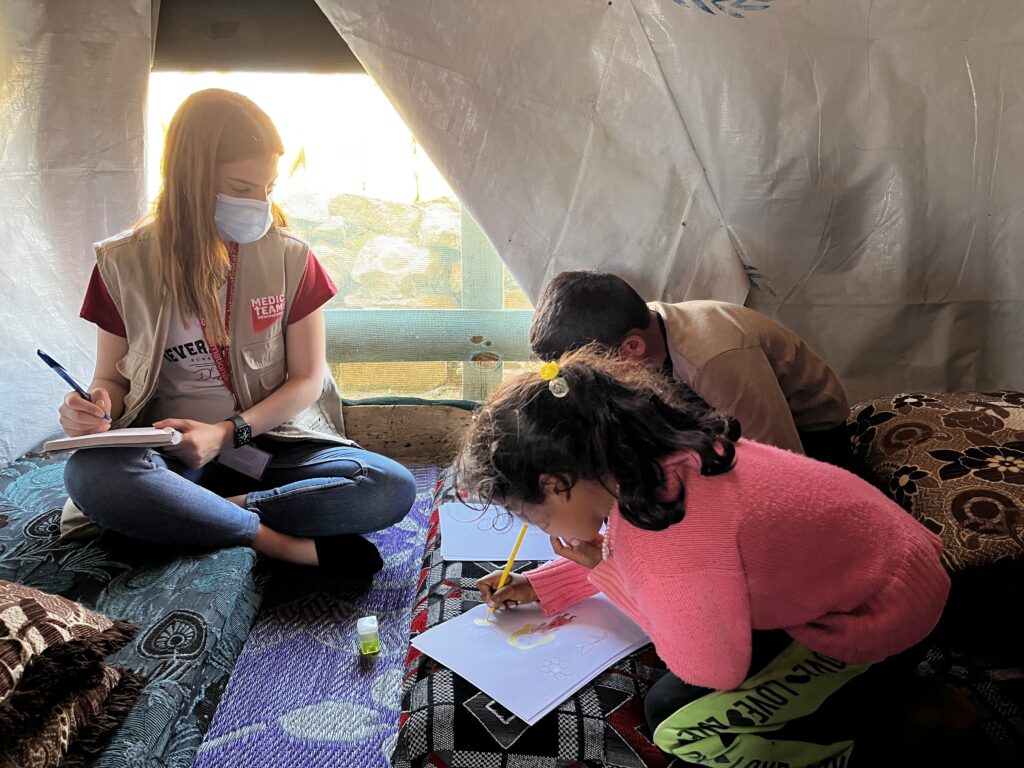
<point x="855" y="167"/>
<point x="72" y="117"/>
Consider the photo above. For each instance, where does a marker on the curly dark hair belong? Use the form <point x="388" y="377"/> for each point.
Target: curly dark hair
<point x="619" y="419"/>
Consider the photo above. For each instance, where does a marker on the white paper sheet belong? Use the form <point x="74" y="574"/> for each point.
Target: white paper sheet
<point x="468" y="534"/>
<point x="528" y="663"/>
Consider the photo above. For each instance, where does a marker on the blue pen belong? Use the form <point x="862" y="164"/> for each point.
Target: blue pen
<point x="59" y="370"/>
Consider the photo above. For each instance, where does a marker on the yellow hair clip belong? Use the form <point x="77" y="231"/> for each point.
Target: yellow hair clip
<point x="556" y="384"/>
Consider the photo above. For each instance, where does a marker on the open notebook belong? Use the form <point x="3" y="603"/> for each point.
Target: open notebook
<point x="143" y="437"/>
<point x="530" y="663"/>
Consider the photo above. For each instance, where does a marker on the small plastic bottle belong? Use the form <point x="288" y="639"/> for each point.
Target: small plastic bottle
<point x="369" y="638"/>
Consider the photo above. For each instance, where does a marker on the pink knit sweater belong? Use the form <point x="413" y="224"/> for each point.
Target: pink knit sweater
<point x="779" y="541"/>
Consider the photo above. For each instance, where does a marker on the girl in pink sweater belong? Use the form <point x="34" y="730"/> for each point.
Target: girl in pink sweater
<point x="716" y="546"/>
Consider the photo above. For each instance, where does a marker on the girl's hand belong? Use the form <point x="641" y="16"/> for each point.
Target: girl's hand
<point x="200" y="442"/>
<point x="586" y="553"/>
<point x="517" y="590"/>
<point x="80" y="417"/>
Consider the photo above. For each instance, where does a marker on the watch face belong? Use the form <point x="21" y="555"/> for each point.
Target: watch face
<point x="243" y="435"/>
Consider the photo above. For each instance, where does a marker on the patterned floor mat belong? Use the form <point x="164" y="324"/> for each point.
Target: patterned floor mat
<point x="301" y="694"/>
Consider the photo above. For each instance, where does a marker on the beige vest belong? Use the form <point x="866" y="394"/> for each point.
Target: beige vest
<point x="272" y="266"/>
<point x="745" y="364"/>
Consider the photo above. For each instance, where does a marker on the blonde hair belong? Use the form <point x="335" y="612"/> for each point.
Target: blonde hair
<point x="209" y="128"/>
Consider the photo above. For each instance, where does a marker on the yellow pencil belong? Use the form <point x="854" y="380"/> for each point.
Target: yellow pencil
<point x="508" y="566"/>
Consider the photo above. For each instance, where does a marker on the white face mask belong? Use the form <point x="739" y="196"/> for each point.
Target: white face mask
<point x="242" y="220"/>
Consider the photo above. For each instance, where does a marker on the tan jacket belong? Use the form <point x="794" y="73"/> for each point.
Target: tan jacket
<point x="745" y="364"/>
<point x="272" y="266"/>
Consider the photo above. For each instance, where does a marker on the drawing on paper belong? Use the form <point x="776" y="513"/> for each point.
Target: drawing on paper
<point x="583" y="647"/>
<point x="556" y="668"/>
<point x="562" y="651"/>
<point x="483" y="628"/>
<point x="529" y="635"/>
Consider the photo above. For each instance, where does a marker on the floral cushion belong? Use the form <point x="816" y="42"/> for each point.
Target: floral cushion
<point x="35" y="625"/>
<point x="955" y="462"/>
<point x="59" y="702"/>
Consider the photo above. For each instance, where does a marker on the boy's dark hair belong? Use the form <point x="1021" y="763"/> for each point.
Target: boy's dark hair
<point x="619" y="419"/>
<point x="583" y="306"/>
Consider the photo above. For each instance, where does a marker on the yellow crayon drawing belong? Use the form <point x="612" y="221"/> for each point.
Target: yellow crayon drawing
<point x="530" y="636"/>
<point x="522" y="640"/>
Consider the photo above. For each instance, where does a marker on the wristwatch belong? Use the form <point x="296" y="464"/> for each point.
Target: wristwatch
<point x="243" y="432"/>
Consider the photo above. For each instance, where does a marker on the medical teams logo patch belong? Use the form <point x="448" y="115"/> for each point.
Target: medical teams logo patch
<point x="265" y="311"/>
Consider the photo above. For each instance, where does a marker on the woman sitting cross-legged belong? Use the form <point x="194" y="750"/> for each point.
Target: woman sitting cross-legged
<point x="211" y="322"/>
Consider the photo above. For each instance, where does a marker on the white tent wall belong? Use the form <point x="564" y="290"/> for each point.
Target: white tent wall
<point x="72" y="118"/>
<point x="862" y="161"/>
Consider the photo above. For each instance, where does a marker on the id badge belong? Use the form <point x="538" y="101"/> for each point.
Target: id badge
<point x="249" y="460"/>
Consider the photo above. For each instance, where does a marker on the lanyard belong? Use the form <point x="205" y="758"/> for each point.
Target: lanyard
<point x="220" y="355"/>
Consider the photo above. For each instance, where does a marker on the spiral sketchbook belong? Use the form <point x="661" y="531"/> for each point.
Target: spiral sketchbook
<point x="142" y="437"/>
<point x="530" y="663"/>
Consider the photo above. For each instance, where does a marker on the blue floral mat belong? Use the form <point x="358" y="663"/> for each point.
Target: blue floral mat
<point x="193" y="612"/>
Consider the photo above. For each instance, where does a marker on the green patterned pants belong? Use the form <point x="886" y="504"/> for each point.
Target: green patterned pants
<point x="729" y="729"/>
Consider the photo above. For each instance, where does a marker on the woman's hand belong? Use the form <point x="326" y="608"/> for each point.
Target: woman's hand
<point x="80" y="417"/>
<point x="517" y="590"/>
<point x="586" y="553"/>
<point x="200" y="443"/>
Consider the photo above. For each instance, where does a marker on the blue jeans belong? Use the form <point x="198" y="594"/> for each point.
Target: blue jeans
<point x="308" y="489"/>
